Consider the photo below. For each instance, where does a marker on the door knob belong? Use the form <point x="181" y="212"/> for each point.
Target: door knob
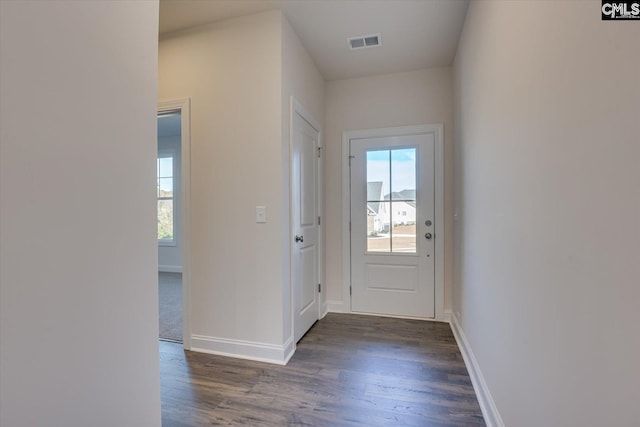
<point x="299" y="238"/>
<point x="428" y="236"/>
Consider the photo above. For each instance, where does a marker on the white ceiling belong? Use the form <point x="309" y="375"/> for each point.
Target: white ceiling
<point x="415" y="33"/>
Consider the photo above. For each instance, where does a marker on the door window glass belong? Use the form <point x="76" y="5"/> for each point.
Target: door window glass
<point x="391" y="200"/>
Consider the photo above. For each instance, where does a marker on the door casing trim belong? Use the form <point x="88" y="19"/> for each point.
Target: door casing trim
<point x="438" y="131"/>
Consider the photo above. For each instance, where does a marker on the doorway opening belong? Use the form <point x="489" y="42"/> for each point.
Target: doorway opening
<point x="172" y="184"/>
<point x="169" y="226"/>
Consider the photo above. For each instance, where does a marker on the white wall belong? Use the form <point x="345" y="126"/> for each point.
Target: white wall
<point x="78" y="286"/>
<point x="547" y="255"/>
<point x="231" y="72"/>
<point x="170" y="256"/>
<point x="411" y="98"/>
<point x="302" y="80"/>
<point x="239" y="74"/>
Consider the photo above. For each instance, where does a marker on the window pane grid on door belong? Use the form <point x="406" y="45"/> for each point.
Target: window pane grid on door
<point x="391" y="201"/>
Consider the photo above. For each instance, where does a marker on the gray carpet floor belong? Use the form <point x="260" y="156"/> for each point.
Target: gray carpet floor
<point x="170" y="296"/>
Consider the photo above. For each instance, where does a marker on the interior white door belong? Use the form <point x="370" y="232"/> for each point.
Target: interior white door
<point x="392" y="225"/>
<point x="306" y="235"/>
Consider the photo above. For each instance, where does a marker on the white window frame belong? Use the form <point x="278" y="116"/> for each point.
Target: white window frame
<point x="172" y="154"/>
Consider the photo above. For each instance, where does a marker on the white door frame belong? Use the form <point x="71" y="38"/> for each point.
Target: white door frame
<point x="438" y="132"/>
<point x="297" y="108"/>
<point x="184" y="107"/>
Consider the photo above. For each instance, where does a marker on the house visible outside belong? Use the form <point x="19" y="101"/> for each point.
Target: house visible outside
<point x="404" y="207"/>
<point x="377" y="214"/>
<point x="391" y="219"/>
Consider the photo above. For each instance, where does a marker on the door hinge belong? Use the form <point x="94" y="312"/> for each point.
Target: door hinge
<point x="349" y="226"/>
<point x="319" y="152"/>
<point x="349" y="290"/>
<point x="318" y="220"/>
<point x="351" y="157"/>
<point x="319" y="287"/>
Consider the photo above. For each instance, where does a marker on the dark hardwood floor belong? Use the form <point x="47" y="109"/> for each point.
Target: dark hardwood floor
<point x="349" y="370"/>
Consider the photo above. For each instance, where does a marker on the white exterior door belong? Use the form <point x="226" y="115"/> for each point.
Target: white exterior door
<point x="392" y="225"/>
<point x="306" y="235"/>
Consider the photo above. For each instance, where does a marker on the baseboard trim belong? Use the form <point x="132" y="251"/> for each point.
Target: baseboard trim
<point x="324" y="310"/>
<point x="336" y="307"/>
<point x="489" y="410"/>
<point x="170" y="268"/>
<point x="239" y="349"/>
<point x="289" y="348"/>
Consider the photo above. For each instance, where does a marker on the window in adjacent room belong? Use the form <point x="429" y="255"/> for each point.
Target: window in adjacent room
<point x="165" y="198"/>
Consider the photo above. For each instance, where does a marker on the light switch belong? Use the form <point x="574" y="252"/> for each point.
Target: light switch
<point x="261" y="214"/>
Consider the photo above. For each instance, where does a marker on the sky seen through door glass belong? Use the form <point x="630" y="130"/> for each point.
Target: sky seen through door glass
<point x="402" y="163"/>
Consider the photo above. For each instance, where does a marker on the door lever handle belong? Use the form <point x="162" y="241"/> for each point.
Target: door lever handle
<point x="299" y="239"/>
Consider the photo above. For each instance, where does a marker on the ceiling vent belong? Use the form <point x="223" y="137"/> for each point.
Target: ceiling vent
<point x="362" y="42"/>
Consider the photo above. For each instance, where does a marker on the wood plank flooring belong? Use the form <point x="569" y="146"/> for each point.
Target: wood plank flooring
<point x="349" y="370"/>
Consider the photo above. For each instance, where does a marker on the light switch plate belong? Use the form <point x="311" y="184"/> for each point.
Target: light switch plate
<point x="261" y="214"/>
